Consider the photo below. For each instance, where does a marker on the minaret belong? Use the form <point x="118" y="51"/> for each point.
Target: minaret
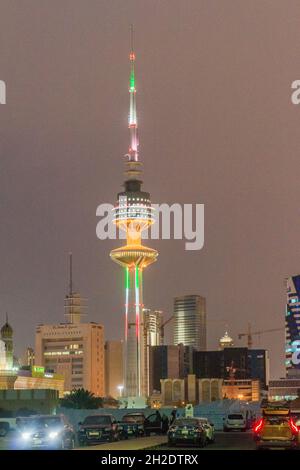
<point x="6" y="335"/>
<point x="133" y="214"/>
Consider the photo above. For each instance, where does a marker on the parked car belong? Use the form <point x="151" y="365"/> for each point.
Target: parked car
<point x="235" y="422"/>
<point x="187" y="431"/>
<point x="45" y="432"/>
<point x="153" y="424"/>
<point x="132" y="424"/>
<point x="98" y="428"/>
<point x="276" y="428"/>
<point x="4" y="428"/>
<point x="209" y="429"/>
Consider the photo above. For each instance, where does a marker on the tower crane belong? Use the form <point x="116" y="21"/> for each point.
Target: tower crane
<point x="251" y="333"/>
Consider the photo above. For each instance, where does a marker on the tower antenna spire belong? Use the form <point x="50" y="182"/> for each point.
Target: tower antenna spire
<point x="71" y="273"/>
<point x="131" y="38"/>
<point x="132" y="120"/>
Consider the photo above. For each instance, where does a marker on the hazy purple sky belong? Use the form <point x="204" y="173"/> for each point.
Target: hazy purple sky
<point x="217" y="126"/>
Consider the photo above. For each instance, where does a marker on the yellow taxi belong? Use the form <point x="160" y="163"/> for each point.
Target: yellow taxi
<point x="276" y="429"/>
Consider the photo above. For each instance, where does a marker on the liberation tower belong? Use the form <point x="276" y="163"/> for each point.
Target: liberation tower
<point x="133" y="214"/>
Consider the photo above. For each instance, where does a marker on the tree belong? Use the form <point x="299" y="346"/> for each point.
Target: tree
<point x="81" y="399"/>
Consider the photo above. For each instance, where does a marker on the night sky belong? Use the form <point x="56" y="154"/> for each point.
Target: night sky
<point x="216" y="126"/>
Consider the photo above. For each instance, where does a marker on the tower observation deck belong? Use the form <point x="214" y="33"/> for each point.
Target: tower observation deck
<point x="133" y="213"/>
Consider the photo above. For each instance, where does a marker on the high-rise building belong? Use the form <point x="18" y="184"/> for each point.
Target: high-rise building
<point x="74" y="350"/>
<point x="190" y="321"/>
<point x="153" y="322"/>
<point x="229" y="363"/>
<point x="114" y="360"/>
<point x="292" y="327"/>
<point x="168" y="362"/>
<point x="164" y="363"/>
<point x="133" y="214"/>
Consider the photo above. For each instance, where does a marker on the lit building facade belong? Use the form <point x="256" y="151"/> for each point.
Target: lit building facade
<point x="284" y="389"/>
<point x="38" y="378"/>
<point x="243" y="362"/>
<point x="75" y="351"/>
<point x="179" y="392"/>
<point x="226" y="341"/>
<point x="114" y="362"/>
<point x="292" y="327"/>
<point x="190" y="321"/>
<point x="245" y="390"/>
<point x="133" y="214"/>
<point x="153" y="323"/>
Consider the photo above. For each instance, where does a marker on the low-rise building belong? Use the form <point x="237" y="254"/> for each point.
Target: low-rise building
<point x="284" y="389"/>
<point x="178" y="392"/>
<point x="246" y="390"/>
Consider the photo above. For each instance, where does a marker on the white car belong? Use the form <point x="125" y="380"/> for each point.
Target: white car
<point x="209" y="429"/>
<point x="235" y="422"/>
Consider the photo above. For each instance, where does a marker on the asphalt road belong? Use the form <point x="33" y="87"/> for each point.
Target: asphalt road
<point x="224" y="441"/>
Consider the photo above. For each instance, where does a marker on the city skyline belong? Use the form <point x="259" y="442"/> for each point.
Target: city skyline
<point x="224" y="139"/>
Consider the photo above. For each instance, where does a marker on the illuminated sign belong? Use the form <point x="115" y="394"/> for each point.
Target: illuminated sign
<point x="38" y="370"/>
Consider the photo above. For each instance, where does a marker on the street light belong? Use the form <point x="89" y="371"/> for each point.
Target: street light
<point x="120" y="388"/>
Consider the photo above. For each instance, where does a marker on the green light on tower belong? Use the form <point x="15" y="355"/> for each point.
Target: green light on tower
<point x="127" y="279"/>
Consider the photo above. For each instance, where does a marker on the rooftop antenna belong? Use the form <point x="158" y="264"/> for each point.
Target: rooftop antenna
<point x="71" y="273"/>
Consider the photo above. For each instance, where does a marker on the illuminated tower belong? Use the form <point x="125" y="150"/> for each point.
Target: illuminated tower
<point x="133" y="214"/>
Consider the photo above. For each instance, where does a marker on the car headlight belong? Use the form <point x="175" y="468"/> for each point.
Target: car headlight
<point x="53" y="434"/>
<point x="26" y="435"/>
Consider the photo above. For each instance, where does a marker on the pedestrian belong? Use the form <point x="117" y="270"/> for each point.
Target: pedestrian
<point x="164" y="424"/>
<point x="173" y="415"/>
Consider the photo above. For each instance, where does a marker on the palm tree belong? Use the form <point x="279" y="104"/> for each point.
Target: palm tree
<point x="81" y="399"/>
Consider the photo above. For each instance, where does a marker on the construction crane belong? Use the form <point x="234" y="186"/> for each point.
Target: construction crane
<point x="251" y="333"/>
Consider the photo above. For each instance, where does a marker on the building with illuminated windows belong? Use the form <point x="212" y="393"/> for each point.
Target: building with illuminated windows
<point x="153" y="324"/>
<point x="190" y="321"/>
<point x="292" y="327"/>
<point x="133" y="214"/>
<point x="74" y="349"/>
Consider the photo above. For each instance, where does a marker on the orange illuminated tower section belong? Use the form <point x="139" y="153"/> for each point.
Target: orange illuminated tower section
<point x="133" y="214"/>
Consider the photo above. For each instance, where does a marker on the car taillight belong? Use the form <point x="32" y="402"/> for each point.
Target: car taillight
<point x="293" y="426"/>
<point x="258" y="425"/>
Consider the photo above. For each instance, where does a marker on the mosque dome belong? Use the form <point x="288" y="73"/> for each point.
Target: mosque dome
<point x="6" y="330"/>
